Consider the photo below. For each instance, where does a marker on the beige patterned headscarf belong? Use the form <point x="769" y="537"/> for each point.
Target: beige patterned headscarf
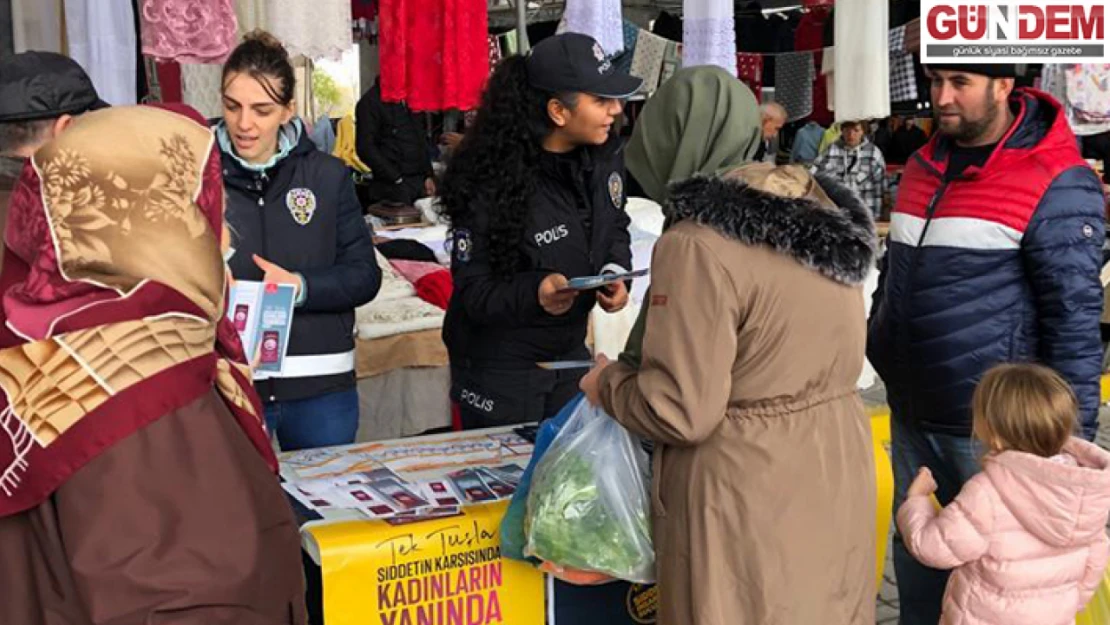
<point x="118" y="311"/>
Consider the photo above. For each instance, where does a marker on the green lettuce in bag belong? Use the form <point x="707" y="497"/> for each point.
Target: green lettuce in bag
<point x="589" y="508"/>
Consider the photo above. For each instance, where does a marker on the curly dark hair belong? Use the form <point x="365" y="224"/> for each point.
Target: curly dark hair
<point x="495" y="167"/>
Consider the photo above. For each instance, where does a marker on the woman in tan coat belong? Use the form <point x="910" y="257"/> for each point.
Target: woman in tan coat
<point x="762" y="476"/>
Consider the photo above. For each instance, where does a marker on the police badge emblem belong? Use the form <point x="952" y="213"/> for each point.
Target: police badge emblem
<point x="301" y="203"/>
<point x="463" y="245"/>
<point x="616" y="189"/>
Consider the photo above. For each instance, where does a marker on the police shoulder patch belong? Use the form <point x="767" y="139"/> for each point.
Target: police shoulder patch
<point x="616" y="188"/>
<point x="462" y="245"/>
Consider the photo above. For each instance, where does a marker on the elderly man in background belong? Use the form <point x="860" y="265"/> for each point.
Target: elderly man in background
<point x="774" y="118"/>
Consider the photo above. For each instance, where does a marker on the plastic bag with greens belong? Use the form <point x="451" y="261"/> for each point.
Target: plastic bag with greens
<point x="589" y="508"/>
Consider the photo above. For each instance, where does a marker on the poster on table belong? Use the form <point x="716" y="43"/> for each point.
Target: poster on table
<point x="440" y="572"/>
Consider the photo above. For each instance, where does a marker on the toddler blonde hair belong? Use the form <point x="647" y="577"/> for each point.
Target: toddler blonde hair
<point x="1024" y="407"/>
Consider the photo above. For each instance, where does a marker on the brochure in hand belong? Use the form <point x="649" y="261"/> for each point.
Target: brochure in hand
<point x="586" y="283"/>
<point x="263" y="315"/>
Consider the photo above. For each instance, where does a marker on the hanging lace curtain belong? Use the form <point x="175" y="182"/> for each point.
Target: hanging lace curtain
<point x="709" y="34"/>
<point x="188" y="31"/>
<point x="317" y="29"/>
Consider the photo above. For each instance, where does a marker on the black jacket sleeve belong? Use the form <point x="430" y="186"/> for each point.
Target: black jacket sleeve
<point x="620" y="241"/>
<point x="1062" y="251"/>
<point x="487" y="298"/>
<point x="368" y="126"/>
<point x="620" y="248"/>
<point x="355" y="278"/>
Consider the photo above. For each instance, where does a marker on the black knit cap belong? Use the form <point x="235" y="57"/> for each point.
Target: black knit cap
<point x="44" y="85"/>
<point x="990" y="70"/>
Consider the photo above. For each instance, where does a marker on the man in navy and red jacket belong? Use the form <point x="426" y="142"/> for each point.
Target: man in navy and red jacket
<point x="994" y="256"/>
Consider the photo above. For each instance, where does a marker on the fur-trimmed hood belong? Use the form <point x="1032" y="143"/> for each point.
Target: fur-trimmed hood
<point x="840" y="244"/>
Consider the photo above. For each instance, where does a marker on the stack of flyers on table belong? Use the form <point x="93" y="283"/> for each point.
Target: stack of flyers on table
<point x="514" y="443"/>
<point x="382" y="494"/>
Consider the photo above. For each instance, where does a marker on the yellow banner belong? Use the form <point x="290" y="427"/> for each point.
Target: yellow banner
<point x="441" y="572"/>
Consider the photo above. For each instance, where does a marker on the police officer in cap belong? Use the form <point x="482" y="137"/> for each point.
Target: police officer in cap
<point x="535" y="196"/>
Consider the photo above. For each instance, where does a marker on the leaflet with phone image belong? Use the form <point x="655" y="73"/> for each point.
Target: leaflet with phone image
<point x="401" y="497"/>
<point x="510" y="473"/>
<point x="470" y="484"/>
<point x="263" y="316"/>
<point x="501" y="488"/>
<point x="369" y="501"/>
<point x="586" y="283"/>
<point x="442" y="493"/>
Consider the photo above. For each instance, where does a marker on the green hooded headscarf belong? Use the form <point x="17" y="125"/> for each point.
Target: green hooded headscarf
<point x="701" y="121"/>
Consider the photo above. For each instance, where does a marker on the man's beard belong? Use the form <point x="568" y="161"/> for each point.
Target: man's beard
<point x="969" y="132"/>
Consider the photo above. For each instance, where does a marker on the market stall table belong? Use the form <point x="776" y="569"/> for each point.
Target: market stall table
<point x="443" y="570"/>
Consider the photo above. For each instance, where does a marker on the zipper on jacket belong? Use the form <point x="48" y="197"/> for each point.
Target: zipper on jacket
<point x="262" y="188"/>
<point x="903" y="339"/>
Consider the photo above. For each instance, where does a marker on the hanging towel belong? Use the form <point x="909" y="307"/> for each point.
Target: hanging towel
<point x="709" y="34"/>
<point x="913" y="36"/>
<point x="896" y="40"/>
<point x="600" y="19"/>
<point x="304" y="97"/>
<point x="197" y="31"/>
<point x="903" y="81"/>
<point x="509" y="43"/>
<point x="38" y="25"/>
<point x="647" y="62"/>
<point x="749" y="69"/>
<point x="494" y="51"/>
<point x="828" y="65"/>
<point x="810" y="35"/>
<point x="323" y="135"/>
<point x="102" y="39"/>
<point x="345" y="144"/>
<point x="201" y="88"/>
<point x="364" y="9"/>
<point x="862" y="42"/>
<point x="169" y="80"/>
<point x="317" y="29"/>
<point x="794" y="74"/>
<point x="1088" y="86"/>
<point x="252" y="15"/>
<point x="623" y="62"/>
<point x="672" y="61"/>
<point x="153" y="84"/>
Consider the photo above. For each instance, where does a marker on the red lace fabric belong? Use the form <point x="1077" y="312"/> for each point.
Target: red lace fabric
<point x="434" y="53"/>
<point x="193" y="31"/>
<point x="749" y="69"/>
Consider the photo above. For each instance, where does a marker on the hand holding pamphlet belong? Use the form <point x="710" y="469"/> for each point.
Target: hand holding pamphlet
<point x="587" y="283"/>
<point x="263" y="316"/>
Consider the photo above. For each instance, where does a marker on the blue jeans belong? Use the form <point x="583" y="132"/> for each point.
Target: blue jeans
<point x="953" y="460"/>
<point x="321" y="421"/>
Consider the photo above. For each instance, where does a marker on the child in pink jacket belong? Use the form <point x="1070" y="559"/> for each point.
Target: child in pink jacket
<point x="1027" y="536"/>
